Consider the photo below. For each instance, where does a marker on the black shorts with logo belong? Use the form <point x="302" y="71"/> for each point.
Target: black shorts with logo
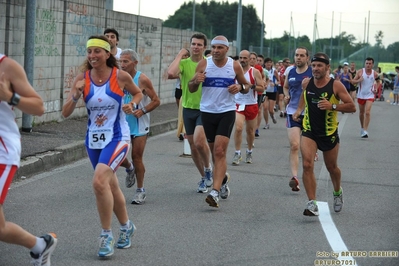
<point x="324" y="143"/>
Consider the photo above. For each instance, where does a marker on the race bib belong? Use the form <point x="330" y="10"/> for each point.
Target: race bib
<point x="99" y="138"/>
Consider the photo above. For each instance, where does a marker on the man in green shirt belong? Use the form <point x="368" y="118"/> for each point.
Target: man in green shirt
<point x="185" y="70"/>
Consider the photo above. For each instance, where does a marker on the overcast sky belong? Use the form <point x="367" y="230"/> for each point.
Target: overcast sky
<point x="349" y="15"/>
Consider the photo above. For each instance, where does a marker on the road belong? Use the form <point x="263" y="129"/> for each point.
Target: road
<point x="261" y="223"/>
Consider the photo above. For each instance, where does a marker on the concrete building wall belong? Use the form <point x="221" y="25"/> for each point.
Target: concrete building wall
<point x="62" y="29"/>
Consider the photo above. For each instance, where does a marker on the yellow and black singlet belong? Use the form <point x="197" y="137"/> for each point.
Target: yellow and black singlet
<point x="320" y="122"/>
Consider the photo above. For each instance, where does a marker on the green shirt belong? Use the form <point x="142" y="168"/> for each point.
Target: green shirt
<point x="187" y="72"/>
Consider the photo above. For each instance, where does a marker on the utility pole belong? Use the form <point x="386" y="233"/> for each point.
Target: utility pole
<point x="193" y="24"/>
<point x="29" y="58"/>
<point x="262" y="29"/>
<point x="239" y="23"/>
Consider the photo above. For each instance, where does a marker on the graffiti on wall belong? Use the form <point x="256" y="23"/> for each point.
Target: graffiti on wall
<point x="70" y="76"/>
<point x="45" y="34"/>
<point x="86" y="26"/>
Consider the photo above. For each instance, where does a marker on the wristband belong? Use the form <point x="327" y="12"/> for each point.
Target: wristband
<point x="134" y="105"/>
<point x="75" y="100"/>
<point x="144" y="110"/>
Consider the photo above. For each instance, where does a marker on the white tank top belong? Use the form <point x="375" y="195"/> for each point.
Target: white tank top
<point x="215" y="96"/>
<point x="252" y="96"/>
<point x="10" y="138"/>
<point x="365" y="90"/>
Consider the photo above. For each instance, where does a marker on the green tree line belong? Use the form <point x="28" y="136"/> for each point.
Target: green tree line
<point x="220" y="18"/>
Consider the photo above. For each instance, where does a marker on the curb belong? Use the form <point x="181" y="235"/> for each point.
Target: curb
<point x="72" y="152"/>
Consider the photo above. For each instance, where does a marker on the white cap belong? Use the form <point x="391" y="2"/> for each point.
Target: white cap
<point x="346" y="64"/>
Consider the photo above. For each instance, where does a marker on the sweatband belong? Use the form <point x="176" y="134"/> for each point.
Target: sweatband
<point x="320" y="59"/>
<point x="98" y="43"/>
<point x="214" y="42"/>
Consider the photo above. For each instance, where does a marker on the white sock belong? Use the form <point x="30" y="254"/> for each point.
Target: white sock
<point x="208" y="169"/>
<point x="126" y="225"/>
<point x="239" y="152"/>
<point x="131" y="168"/>
<point x="106" y="232"/>
<point x="249" y="151"/>
<point x="39" y="247"/>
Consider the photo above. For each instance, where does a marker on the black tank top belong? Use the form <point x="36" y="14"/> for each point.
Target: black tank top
<point x="320" y="122"/>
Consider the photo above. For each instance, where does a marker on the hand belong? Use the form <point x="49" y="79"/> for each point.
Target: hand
<point x="127" y="108"/>
<point x="234" y="88"/>
<point x="80" y="85"/>
<point x="199" y="77"/>
<point x="296" y="116"/>
<point x="5" y="88"/>
<point x="323" y="104"/>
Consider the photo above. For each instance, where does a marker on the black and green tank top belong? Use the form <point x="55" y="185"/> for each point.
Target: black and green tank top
<point x="320" y="122"/>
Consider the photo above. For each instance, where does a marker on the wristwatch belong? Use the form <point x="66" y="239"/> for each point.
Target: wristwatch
<point x="334" y="106"/>
<point x="242" y="87"/>
<point x="144" y="110"/>
<point x="14" y="99"/>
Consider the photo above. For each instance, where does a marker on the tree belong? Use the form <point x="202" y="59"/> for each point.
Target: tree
<point x="378" y="39"/>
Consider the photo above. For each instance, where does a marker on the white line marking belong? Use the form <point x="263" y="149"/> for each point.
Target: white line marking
<point x="330" y="230"/>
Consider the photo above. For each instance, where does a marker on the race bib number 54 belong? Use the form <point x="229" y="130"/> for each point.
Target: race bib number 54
<point x="99" y="138"/>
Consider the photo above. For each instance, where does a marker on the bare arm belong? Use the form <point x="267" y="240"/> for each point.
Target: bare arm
<point x="358" y="78"/>
<point x="347" y="105"/>
<point x="125" y="81"/>
<point x="13" y="79"/>
<point x="258" y="81"/>
<point x="74" y="95"/>
<point x="240" y="79"/>
<point x="199" y="76"/>
<point x="147" y="89"/>
<point x="286" y="90"/>
<point x="173" y="69"/>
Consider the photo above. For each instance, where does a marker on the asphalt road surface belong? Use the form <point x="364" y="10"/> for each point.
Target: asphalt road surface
<point x="261" y="223"/>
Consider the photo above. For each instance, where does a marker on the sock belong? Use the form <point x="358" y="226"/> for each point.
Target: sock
<point x="249" y="151"/>
<point x="208" y="169"/>
<point x="106" y="232"/>
<point x="140" y="189"/>
<point x="126" y="225"/>
<point x="338" y="193"/>
<point x="131" y="168"/>
<point x="39" y="247"/>
<point x="238" y="152"/>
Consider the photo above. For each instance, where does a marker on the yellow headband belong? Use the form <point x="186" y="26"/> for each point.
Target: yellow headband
<point x="99" y="43"/>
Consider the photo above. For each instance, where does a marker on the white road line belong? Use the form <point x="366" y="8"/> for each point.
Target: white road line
<point x="330" y="230"/>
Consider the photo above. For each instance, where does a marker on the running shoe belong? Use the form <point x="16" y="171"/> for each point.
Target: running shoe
<point x="364" y="135"/>
<point x="237" y="158"/>
<point x="44" y="258"/>
<point x="208" y="178"/>
<point x="257" y="133"/>
<point x="338" y="202"/>
<point x="225" y="190"/>
<point x="311" y="209"/>
<point x="139" y="196"/>
<point x="202" y="188"/>
<point x="266" y="127"/>
<point x="181" y="136"/>
<point x="130" y="178"/>
<point x="274" y="119"/>
<point x="294" y="184"/>
<point x="213" y="198"/>
<point x="281" y="114"/>
<point x="248" y="157"/>
<point x="106" y="246"/>
<point x="125" y="235"/>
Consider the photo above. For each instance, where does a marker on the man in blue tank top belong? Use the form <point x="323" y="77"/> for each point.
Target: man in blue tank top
<point x="292" y="93"/>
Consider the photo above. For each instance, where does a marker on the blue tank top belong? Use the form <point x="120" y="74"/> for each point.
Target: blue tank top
<point x="295" y="87"/>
